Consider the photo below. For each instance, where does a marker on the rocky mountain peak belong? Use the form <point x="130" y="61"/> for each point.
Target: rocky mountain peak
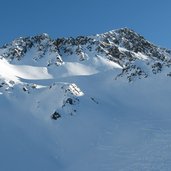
<point x="132" y="41"/>
<point x="123" y="47"/>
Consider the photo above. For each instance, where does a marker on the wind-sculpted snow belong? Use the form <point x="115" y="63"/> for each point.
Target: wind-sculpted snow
<point x="90" y="103"/>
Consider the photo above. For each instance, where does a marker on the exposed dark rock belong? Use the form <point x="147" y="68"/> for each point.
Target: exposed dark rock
<point x="55" y="115"/>
<point x="156" y="67"/>
<point x="25" y="89"/>
<point x="70" y="101"/>
<point x="169" y="74"/>
<point x="12" y="82"/>
<point x="94" y="100"/>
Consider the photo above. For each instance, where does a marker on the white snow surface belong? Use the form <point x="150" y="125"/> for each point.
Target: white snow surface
<point x="112" y="125"/>
<point x="13" y="72"/>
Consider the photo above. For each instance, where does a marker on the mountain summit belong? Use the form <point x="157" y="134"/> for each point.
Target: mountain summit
<point x="97" y="103"/>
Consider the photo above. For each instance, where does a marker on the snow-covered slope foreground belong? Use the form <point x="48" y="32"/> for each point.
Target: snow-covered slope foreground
<point x="97" y="103"/>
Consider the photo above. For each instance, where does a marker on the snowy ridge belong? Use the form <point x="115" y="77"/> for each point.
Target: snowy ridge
<point x="97" y="103"/>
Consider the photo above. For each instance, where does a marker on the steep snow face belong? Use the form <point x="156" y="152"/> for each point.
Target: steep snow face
<point x="97" y="103"/>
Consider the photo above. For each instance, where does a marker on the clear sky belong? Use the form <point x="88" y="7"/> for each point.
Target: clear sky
<point x="62" y="18"/>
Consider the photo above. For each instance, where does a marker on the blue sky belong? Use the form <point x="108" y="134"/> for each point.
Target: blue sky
<point x="62" y="18"/>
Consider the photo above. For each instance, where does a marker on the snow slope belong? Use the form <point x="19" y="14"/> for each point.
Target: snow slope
<point x="113" y="102"/>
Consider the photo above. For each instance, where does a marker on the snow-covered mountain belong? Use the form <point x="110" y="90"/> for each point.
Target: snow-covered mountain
<point x="90" y="103"/>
